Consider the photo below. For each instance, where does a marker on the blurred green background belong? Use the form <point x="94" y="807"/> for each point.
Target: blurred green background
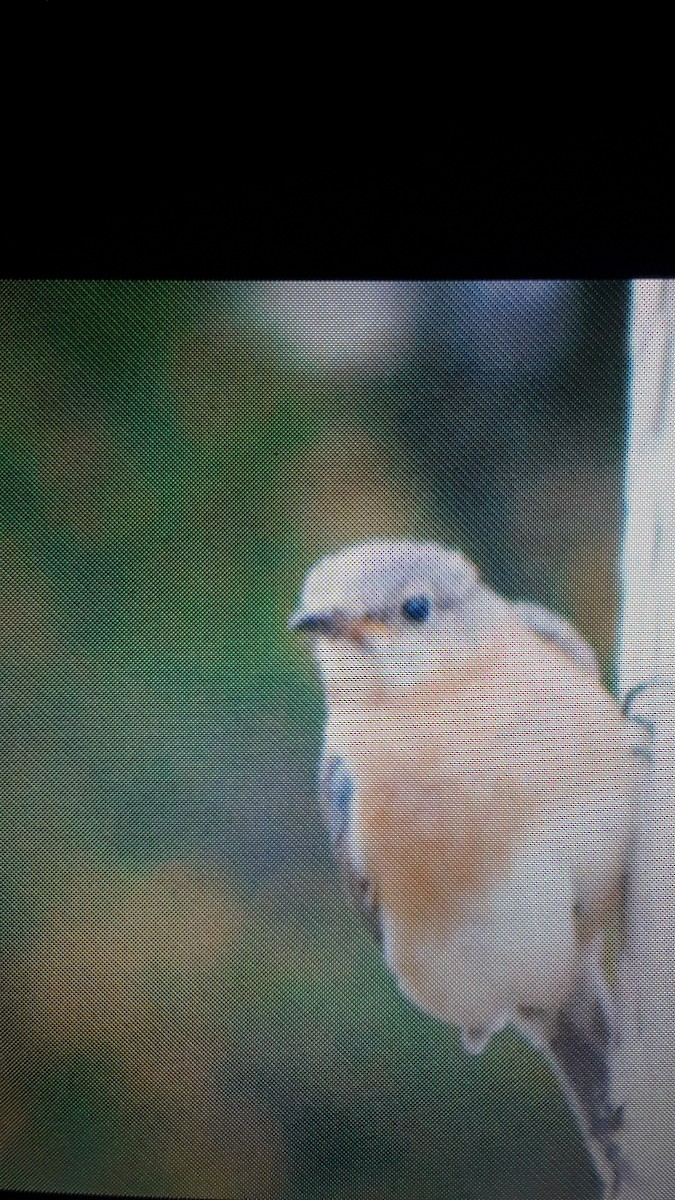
<point x="188" y="1006"/>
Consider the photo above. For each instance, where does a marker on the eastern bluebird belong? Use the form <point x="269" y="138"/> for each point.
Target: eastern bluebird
<point x="478" y="783"/>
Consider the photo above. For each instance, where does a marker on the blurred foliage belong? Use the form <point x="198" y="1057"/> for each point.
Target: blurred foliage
<point x="188" y="1006"/>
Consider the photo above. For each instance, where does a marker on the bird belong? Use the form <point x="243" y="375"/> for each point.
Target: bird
<point x="478" y="783"/>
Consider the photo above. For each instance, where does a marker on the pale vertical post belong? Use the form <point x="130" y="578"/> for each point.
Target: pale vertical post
<point x="644" y="1067"/>
<point x="647" y="636"/>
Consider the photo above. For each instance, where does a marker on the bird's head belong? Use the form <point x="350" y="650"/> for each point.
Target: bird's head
<point x="392" y="611"/>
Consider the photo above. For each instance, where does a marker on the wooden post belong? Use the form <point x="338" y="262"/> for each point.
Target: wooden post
<point x="644" y="1066"/>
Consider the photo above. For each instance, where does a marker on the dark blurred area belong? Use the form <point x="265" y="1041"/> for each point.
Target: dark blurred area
<point x="188" y="1007"/>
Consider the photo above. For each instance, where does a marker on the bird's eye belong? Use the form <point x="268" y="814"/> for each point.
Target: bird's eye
<point x="417" y="608"/>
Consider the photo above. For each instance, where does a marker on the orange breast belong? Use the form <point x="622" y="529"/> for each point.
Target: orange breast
<point x="453" y="774"/>
<point x="433" y="816"/>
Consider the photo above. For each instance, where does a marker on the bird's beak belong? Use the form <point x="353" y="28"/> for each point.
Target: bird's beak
<point x="334" y="623"/>
<point x="313" y="622"/>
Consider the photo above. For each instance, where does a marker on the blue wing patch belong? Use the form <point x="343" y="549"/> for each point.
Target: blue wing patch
<point x="336" y="791"/>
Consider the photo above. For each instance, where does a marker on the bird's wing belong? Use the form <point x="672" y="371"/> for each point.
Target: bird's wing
<point x="336" y="790"/>
<point x="552" y="628"/>
<point x="578" y="1038"/>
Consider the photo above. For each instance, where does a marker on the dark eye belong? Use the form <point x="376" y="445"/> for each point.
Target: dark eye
<point x="417" y="608"/>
